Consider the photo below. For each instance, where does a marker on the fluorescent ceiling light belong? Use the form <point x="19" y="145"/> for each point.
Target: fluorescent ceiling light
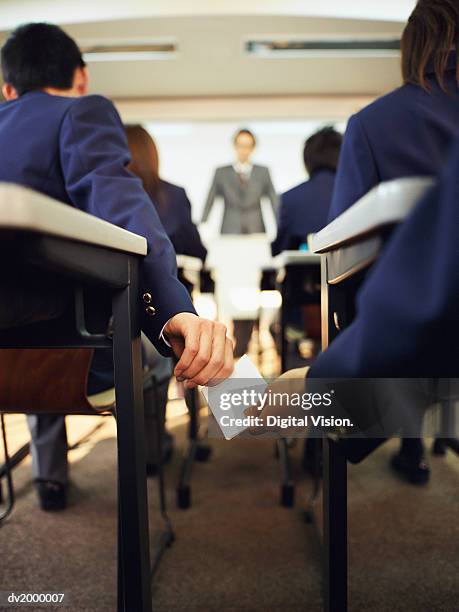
<point x="312" y="46"/>
<point x="126" y="52"/>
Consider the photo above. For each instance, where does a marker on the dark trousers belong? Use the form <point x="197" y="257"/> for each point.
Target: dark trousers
<point x="242" y="333"/>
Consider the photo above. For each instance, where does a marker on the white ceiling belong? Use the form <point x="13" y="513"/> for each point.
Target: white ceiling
<point x="211" y="61"/>
<point x="13" y="12"/>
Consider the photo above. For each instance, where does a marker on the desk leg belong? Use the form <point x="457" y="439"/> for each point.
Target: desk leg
<point x="134" y="571"/>
<point x="335" y="527"/>
<point x="283" y="325"/>
<point x="447" y="439"/>
<point x="120" y="594"/>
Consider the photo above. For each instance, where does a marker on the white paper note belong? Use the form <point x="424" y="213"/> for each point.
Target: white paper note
<point x="244" y="377"/>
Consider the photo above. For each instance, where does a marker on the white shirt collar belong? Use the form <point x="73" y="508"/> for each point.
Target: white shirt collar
<point x="243" y="168"/>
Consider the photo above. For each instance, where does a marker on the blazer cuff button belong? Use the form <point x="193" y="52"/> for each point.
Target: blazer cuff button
<point x="150" y="310"/>
<point x="147" y="298"/>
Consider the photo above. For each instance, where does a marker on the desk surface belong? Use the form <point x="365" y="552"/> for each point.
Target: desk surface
<point x="28" y="210"/>
<point x="385" y="205"/>
<point x="295" y="258"/>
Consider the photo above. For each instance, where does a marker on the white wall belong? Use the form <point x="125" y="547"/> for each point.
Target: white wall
<point x="190" y="151"/>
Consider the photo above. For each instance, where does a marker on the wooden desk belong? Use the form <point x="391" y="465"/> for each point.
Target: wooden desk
<point x="348" y="246"/>
<point x="99" y="263"/>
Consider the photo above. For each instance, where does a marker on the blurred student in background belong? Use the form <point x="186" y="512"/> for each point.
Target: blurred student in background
<point x="407" y="133"/>
<point x="304" y="209"/>
<point x="170" y="201"/>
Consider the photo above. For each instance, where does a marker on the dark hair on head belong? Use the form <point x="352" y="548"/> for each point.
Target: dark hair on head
<point x="245" y="131"/>
<point x="321" y="150"/>
<point x="430" y="35"/>
<point x="145" y="161"/>
<point x="38" y="55"/>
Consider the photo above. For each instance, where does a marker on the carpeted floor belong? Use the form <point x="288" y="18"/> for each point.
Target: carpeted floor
<point x="236" y="548"/>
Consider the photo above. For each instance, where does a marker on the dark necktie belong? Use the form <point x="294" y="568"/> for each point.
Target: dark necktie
<point x="243" y="178"/>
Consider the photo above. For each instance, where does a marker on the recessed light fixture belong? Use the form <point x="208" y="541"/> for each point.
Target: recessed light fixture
<point x="129" y="52"/>
<point x="322" y="46"/>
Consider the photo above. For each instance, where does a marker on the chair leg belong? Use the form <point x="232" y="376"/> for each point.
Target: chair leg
<point x="184" y="486"/>
<point x="195" y="451"/>
<point x="309" y="514"/>
<point x="167" y="536"/>
<point x="134" y="572"/>
<point x="9" y="479"/>
<point x="287" y="497"/>
<point x="445" y="439"/>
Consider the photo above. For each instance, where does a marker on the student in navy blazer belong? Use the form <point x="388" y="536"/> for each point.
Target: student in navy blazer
<point x="407" y="133"/>
<point x="171" y="201"/>
<point x="175" y="215"/>
<point x="72" y="147"/>
<point x="412" y="293"/>
<point x="304" y="209"/>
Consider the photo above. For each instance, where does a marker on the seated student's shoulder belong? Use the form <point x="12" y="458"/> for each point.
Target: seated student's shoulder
<point x="173" y="190"/>
<point x="92" y="105"/>
<point x="294" y="194"/>
<point x="387" y="107"/>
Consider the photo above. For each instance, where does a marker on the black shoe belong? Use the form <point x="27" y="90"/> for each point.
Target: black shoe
<point x="413" y="469"/>
<point x="52" y="495"/>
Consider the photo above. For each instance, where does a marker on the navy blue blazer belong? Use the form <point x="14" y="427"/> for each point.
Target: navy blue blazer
<point x="408" y="132"/>
<point x="304" y="210"/>
<point x="174" y="210"/>
<point x="75" y="150"/>
<point x="407" y="322"/>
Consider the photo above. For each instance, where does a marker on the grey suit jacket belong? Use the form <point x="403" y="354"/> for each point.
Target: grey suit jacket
<point x="242" y="202"/>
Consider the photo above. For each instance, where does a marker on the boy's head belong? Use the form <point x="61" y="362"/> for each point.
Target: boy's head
<point x="41" y="56"/>
<point x="321" y="150"/>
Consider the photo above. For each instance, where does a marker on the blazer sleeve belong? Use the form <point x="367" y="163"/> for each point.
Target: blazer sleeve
<point x="281" y="241"/>
<point x="214" y="191"/>
<point x="357" y="170"/>
<point x="93" y="156"/>
<point x="407" y="322"/>
<point x="188" y="241"/>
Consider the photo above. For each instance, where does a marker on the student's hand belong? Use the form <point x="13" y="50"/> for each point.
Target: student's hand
<point x="203" y="350"/>
<point x="281" y="392"/>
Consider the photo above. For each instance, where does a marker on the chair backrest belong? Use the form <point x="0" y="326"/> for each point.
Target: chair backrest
<point x="45" y="381"/>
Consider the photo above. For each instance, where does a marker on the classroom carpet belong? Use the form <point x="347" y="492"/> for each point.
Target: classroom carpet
<point x="236" y="548"/>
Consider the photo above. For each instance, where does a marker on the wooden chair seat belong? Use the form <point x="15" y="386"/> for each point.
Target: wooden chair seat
<point x="34" y="381"/>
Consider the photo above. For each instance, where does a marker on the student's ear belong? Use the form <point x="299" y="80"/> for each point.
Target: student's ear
<point x="9" y="92"/>
<point x="81" y="81"/>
